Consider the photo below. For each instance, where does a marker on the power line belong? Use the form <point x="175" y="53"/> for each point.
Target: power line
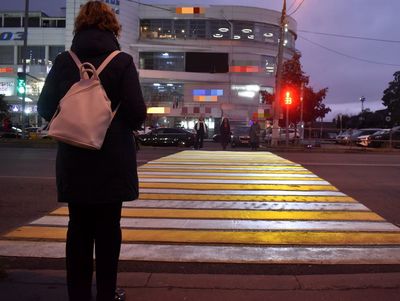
<point x="150" y="5"/>
<point x="297" y="8"/>
<point x="349" y="36"/>
<point x="347" y="55"/>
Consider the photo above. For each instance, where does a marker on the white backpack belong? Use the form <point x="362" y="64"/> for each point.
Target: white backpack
<point x="84" y="114"/>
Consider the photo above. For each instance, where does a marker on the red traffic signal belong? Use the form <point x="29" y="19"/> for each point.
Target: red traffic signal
<point x="289" y="96"/>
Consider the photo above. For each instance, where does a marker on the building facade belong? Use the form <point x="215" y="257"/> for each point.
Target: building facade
<point x="192" y="61"/>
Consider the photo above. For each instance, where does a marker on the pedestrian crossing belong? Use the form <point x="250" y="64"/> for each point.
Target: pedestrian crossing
<point x="231" y="207"/>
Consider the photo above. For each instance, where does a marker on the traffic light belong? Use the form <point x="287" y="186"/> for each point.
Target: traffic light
<point x="288" y="97"/>
<point x="21" y="84"/>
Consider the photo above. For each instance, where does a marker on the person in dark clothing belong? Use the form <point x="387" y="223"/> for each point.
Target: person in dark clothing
<point x="201" y="131"/>
<point x="225" y="132"/>
<point x="95" y="183"/>
<point x="254" y="134"/>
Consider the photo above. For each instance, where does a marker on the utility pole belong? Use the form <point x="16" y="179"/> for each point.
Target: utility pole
<point x="301" y="111"/>
<point x="24" y="56"/>
<point x="278" y="79"/>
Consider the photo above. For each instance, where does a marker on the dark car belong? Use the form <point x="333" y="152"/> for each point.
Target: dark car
<point x="168" y="136"/>
<point x="13" y="133"/>
<point x="386" y="138"/>
<point x="240" y="136"/>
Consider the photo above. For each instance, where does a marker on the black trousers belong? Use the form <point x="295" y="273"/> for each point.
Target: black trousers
<point x="199" y="141"/>
<point x="95" y="225"/>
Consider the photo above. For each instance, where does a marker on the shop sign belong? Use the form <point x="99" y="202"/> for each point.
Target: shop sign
<point x="7" y="86"/>
<point x="11" y="36"/>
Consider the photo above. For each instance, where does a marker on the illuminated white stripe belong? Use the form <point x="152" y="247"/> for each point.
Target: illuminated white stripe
<point x="207" y="162"/>
<point x="205" y="181"/>
<point x="247" y="205"/>
<point x="295" y="168"/>
<point x="242" y="192"/>
<point x="201" y="224"/>
<point x="219" y="254"/>
<point x="285" y="175"/>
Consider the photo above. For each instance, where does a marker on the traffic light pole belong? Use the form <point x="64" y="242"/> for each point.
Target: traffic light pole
<point x="278" y="79"/>
<point x="24" y="56"/>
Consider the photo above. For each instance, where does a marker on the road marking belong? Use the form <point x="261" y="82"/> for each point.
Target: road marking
<point x="251" y="198"/>
<point x="224" y="181"/>
<point x="230" y="187"/>
<point x="230" y="207"/>
<point x="212" y="224"/>
<point x="244" y="192"/>
<point x="242" y="214"/>
<point x="223" y="237"/>
<point x="281" y="206"/>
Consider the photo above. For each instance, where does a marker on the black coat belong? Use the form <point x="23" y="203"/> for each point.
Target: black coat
<point x="110" y="174"/>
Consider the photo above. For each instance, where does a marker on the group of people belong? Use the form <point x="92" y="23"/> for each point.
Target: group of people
<point x="225" y="133"/>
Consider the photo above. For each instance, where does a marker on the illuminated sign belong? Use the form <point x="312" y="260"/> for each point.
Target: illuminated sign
<point x="7" y="86"/>
<point x="190" y="10"/>
<point x="7" y="70"/>
<point x="158" y="110"/>
<point x="11" y="36"/>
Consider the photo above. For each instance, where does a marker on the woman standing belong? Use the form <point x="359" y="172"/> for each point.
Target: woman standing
<point x="95" y="183"/>
<point x="225" y="132"/>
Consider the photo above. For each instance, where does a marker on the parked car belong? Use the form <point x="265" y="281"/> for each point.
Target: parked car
<point x="383" y="138"/>
<point x="365" y="140"/>
<point x="168" y="136"/>
<point x="293" y="134"/>
<point x="240" y="136"/>
<point x="350" y="136"/>
<point x="13" y="133"/>
<point x="344" y="136"/>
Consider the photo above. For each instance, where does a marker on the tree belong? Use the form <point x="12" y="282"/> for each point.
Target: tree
<point x="391" y="98"/>
<point x="293" y="77"/>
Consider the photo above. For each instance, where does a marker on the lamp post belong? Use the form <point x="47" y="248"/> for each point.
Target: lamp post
<point x="362" y="99"/>
<point x="278" y="79"/>
<point x="24" y="55"/>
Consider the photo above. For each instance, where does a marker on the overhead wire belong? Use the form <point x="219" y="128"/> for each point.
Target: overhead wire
<point x="347" y="55"/>
<point x="297" y="8"/>
<point x="349" y="36"/>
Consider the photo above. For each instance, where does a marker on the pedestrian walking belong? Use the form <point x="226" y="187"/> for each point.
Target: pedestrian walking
<point x="201" y="130"/>
<point x="95" y="183"/>
<point x="225" y="132"/>
<point x="254" y="134"/>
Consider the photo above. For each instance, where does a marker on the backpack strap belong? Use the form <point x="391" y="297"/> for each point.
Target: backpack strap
<point x="75" y="58"/>
<point x="107" y="60"/>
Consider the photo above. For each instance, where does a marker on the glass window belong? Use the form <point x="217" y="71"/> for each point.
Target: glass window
<point x="54" y="51"/>
<point x="12" y="21"/>
<point x="243" y="31"/>
<point x="163" y="94"/>
<point x="268" y="63"/>
<point x="197" y="29"/>
<point x="172" y="61"/>
<point x="266" y="33"/>
<point x="35" y="55"/>
<point x="220" y="29"/>
<point x="156" y="29"/>
<point x="6" y="55"/>
<point x="181" y="28"/>
<point x="32" y="22"/>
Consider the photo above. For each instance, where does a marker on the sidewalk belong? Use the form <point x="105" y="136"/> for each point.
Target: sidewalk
<point x="48" y="285"/>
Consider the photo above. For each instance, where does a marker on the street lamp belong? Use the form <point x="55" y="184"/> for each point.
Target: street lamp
<point x="362" y="99"/>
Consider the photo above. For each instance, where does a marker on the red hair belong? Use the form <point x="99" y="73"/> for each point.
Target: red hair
<point x="97" y="14"/>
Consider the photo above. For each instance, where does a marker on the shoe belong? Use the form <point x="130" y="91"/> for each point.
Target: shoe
<point x="119" y="294"/>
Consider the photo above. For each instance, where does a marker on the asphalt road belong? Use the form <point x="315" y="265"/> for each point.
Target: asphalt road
<point x="27" y="184"/>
